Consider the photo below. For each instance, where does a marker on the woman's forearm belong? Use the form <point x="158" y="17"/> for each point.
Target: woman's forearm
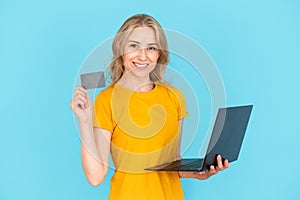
<point x="92" y="165"/>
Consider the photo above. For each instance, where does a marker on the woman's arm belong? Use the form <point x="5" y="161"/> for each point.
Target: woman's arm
<point x="204" y="174"/>
<point x="95" y="152"/>
<point x="95" y="148"/>
<point x="207" y="173"/>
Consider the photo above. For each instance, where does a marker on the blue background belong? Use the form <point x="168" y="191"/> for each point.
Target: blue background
<point x="255" y="45"/>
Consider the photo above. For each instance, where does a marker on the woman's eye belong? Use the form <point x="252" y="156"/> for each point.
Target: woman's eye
<point x="152" y="48"/>
<point x="134" y="46"/>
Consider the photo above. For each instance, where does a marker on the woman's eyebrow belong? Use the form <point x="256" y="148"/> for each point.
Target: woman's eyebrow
<point x="134" y="41"/>
<point x="140" y="43"/>
<point x="152" y="44"/>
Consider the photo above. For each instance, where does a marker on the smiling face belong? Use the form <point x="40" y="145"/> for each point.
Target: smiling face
<point x="140" y="53"/>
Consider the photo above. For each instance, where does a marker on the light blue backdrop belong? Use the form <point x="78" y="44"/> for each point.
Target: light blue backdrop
<point x="255" y="44"/>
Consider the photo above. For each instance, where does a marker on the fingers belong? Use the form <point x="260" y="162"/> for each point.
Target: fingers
<point x="214" y="170"/>
<point x="80" y="98"/>
<point x="222" y="165"/>
<point x="82" y="89"/>
<point x="207" y="173"/>
<point x="78" y="102"/>
<point x="226" y="163"/>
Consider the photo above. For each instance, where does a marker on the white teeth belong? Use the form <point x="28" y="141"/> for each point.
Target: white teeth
<point x="140" y="65"/>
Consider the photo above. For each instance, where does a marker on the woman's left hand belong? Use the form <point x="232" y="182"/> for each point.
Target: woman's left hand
<point x="213" y="170"/>
<point x="207" y="173"/>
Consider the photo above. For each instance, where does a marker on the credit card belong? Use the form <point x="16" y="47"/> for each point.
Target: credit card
<point x="92" y="80"/>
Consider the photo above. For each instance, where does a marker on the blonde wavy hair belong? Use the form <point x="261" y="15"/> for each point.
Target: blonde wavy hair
<point x="116" y="68"/>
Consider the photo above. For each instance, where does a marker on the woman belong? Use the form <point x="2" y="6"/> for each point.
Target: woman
<point x="137" y="119"/>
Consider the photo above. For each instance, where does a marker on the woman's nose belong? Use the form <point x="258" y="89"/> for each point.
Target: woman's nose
<point x="142" y="54"/>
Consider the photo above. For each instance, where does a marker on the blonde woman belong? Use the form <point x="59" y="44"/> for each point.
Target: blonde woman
<point x="137" y="119"/>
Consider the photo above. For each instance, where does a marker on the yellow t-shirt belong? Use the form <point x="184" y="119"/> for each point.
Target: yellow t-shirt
<point x="144" y="127"/>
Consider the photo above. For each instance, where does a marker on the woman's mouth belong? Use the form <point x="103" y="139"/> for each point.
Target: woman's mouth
<point x="140" y="65"/>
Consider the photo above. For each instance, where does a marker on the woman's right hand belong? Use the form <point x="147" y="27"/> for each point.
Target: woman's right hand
<point x="81" y="105"/>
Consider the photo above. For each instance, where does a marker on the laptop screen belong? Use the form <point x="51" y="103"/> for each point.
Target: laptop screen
<point x="228" y="134"/>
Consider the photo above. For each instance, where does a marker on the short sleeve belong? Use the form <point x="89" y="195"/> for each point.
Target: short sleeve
<point x="102" y="113"/>
<point x="181" y="103"/>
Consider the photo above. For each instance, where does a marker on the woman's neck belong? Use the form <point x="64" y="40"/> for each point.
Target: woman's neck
<point x="135" y="84"/>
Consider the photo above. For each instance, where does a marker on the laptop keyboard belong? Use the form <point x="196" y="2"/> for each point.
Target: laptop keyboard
<point x="193" y="165"/>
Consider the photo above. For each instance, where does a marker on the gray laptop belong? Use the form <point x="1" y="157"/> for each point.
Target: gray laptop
<point x="226" y="139"/>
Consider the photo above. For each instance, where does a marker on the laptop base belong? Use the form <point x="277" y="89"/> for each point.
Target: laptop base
<point x="189" y="164"/>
